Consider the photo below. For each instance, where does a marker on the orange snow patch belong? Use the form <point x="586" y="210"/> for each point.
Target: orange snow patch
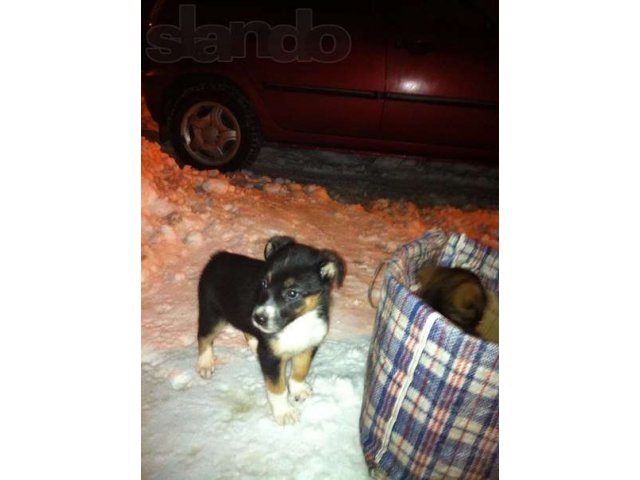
<point x="481" y="225"/>
<point x="166" y="175"/>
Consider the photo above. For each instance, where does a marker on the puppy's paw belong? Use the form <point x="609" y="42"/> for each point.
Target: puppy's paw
<point x="287" y="416"/>
<point x="283" y="411"/>
<point x="206" y="365"/>
<point x="299" y="391"/>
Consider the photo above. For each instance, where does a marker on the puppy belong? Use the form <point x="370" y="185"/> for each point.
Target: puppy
<point x="282" y="306"/>
<point x="454" y="292"/>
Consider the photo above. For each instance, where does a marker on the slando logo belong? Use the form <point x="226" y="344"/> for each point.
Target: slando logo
<point x="218" y="43"/>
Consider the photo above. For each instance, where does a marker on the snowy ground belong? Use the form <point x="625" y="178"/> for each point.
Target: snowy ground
<point x="222" y="428"/>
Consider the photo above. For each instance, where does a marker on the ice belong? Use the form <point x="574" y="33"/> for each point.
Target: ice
<point x="193" y="238"/>
<point x="161" y="207"/>
<point x="273" y="188"/>
<point x="216" y="185"/>
<point x="180" y="380"/>
<point x="167" y="232"/>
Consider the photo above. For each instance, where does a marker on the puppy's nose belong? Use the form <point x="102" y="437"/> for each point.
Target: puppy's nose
<point x="260" y="318"/>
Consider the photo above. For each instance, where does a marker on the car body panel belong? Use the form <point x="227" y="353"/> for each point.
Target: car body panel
<point x="329" y="98"/>
<point x="442" y="73"/>
<point x="385" y="96"/>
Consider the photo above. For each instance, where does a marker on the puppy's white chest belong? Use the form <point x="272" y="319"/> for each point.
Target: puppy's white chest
<point x="303" y="333"/>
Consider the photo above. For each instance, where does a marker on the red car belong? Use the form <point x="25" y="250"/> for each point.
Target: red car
<point x="411" y="77"/>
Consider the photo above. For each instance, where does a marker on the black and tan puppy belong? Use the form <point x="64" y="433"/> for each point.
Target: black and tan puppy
<point x="454" y="292"/>
<point x="282" y="306"/>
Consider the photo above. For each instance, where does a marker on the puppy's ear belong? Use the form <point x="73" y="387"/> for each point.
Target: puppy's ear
<point x="276" y="243"/>
<point x="331" y="267"/>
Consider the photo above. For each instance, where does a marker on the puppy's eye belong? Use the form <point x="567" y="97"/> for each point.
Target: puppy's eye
<point x="263" y="283"/>
<point x="291" y="294"/>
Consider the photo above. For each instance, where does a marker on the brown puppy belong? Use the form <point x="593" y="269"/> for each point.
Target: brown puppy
<point x="454" y="292"/>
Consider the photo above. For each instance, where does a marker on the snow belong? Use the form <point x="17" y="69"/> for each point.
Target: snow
<point x="222" y="427"/>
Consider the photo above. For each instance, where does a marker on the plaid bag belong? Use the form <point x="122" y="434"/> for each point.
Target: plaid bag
<point x="430" y="407"/>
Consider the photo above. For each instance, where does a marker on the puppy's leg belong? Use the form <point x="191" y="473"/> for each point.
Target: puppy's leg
<point x="210" y="323"/>
<point x="301" y="364"/>
<point x="273" y="370"/>
<point x="252" y="342"/>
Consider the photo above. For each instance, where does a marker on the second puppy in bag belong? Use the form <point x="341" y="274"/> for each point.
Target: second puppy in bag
<point x="454" y="292"/>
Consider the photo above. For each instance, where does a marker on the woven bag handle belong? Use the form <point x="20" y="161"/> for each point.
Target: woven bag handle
<point x="373" y="282"/>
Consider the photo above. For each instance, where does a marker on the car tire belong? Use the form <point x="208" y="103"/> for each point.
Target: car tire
<point x="213" y="126"/>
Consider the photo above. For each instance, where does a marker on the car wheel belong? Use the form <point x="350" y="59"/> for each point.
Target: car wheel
<point x="214" y="126"/>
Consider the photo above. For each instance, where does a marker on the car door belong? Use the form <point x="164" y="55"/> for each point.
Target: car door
<point x="442" y="75"/>
<point x="337" y="98"/>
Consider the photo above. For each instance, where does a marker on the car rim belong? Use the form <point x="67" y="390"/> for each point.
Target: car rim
<point x="210" y="133"/>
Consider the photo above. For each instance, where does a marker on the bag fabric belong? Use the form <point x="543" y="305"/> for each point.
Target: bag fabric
<point x="430" y="407"/>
